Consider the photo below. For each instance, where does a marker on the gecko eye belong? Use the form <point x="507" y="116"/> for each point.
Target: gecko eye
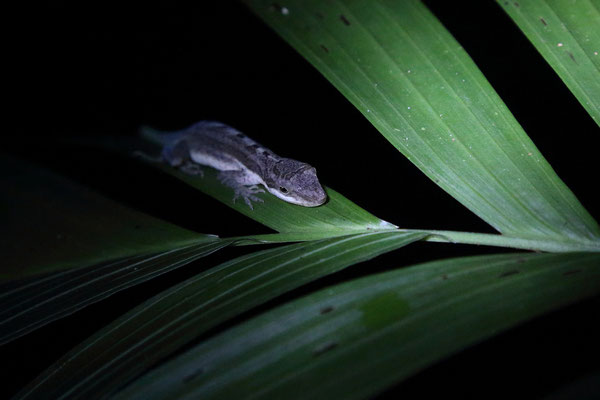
<point x="282" y="189"/>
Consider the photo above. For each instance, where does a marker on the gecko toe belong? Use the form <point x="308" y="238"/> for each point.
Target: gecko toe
<point x="255" y="189"/>
<point x="248" y="202"/>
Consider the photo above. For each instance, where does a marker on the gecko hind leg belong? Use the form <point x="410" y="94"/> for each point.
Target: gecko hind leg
<point x="191" y="168"/>
<point x="238" y="181"/>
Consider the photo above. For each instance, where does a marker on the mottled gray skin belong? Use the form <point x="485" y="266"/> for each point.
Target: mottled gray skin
<point x="243" y="163"/>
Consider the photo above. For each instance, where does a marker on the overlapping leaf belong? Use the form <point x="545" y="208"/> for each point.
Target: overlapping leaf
<point x="30" y="304"/>
<point x="353" y="340"/>
<point x="159" y="327"/>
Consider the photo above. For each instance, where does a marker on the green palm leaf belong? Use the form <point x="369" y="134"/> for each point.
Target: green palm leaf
<point x="398" y="65"/>
<point x="33" y="303"/>
<point x="353" y="340"/>
<point x="162" y="325"/>
<point x="54" y="224"/>
<point x="566" y="34"/>
<point x="87" y="247"/>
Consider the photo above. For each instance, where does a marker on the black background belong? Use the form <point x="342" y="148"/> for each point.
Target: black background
<point x="84" y="70"/>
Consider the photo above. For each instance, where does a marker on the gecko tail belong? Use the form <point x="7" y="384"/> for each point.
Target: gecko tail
<point x="163" y="138"/>
<point x="153" y="136"/>
<point x="160" y="138"/>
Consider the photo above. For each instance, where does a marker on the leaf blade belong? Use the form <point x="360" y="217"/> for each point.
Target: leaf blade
<point x="406" y="74"/>
<point x="31" y="304"/>
<point x="338" y="216"/>
<point x="566" y="35"/>
<point x="54" y="224"/>
<point x="367" y="334"/>
<point x="154" y="330"/>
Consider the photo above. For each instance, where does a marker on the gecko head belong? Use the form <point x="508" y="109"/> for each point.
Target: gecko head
<point x="297" y="183"/>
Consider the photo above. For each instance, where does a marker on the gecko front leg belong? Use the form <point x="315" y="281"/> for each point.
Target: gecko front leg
<point x="239" y="181"/>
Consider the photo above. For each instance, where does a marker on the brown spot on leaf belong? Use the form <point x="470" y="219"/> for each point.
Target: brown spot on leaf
<point x="326" y="310"/>
<point x="325" y="48"/>
<point x="572" y="57"/>
<point x="324" y="348"/>
<point x="543" y="21"/>
<point x="193" y="375"/>
<point x="344" y="20"/>
<point x="508" y="273"/>
<point x="572" y="272"/>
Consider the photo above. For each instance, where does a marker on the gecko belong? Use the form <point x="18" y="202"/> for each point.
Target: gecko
<point x="243" y="164"/>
